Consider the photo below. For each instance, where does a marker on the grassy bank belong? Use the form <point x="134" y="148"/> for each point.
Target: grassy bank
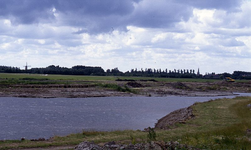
<point x="219" y="124"/>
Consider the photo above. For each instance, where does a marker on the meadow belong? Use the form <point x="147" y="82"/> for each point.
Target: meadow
<point x="10" y="76"/>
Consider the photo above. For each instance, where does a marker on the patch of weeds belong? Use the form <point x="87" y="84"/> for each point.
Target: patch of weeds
<point x="34" y="79"/>
<point x="230" y="142"/>
<point x="151" y="136"/>
<point x="10" y="81"/>
<point x="201" y="88"/>
<point x="10" y="141"/>
<point x="224" y="88"/>
<point x="92" y="133"/>
<point x="180" y="85"/>
<point x="25" y="81"/>
<point x="133" y="139"/>
<point x="178" y="125"/>
<point x="214" y="87"/>
<point x="124" y="79"/>
<point x="118" y="88"/>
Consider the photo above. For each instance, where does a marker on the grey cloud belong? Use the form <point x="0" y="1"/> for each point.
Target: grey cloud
<point x="213" y="4"/>
<point x="160" y="13"/>
<point x="94" y="15"/>
<point x="95" y="24"/>
<point x="95" y="7"/>
<point x="164" y="13"/>
<point x="26" y="12"/>
<point x="97" y="16"/>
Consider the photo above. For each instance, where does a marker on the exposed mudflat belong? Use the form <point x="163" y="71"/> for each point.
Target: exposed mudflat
<point x="143" y="88"/>
<point x="68" y="92"/>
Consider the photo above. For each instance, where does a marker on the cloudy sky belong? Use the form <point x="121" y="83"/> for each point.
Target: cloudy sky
<point x="213" y="35"/>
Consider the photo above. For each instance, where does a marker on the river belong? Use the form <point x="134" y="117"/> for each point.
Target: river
<point x="35" y="118"/>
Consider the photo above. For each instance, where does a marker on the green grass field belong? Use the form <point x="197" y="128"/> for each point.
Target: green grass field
<point x="219" y="124"/>
<point x="6" y="76"/>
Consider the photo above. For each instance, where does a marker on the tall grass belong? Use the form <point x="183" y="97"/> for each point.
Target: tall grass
<point x="229" y="131"/>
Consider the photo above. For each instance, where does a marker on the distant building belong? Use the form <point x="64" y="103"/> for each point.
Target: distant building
<point x="198" y="72"/>
<point x="26" y="66"/>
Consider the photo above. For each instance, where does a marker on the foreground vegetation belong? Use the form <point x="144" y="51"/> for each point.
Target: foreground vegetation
<point x="219" y="124"/>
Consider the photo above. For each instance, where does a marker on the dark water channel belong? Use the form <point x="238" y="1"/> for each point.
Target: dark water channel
<point x="34" y="118"/>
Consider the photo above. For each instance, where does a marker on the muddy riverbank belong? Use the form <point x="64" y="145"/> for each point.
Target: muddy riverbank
<point x="177" y="116"/>
<point x="142" y="88"/>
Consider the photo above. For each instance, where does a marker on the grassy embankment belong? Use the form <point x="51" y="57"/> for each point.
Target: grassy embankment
<point x="219" y="124"/>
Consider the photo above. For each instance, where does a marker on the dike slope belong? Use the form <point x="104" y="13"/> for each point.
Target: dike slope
<point x="177" y="116"/>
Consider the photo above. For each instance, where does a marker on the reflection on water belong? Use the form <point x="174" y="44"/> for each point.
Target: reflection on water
<point x="44" y="118"/>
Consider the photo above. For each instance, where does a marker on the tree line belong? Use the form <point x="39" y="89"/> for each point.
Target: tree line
<point x="75" y="70"/>
<point x="52" y="69"/>
<point x="147" y="72"/>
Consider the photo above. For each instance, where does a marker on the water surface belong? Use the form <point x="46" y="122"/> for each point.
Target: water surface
<point x="34" y="118"/>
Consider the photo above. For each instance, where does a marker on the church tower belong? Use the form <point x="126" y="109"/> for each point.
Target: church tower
<point x="198" y="72"/>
